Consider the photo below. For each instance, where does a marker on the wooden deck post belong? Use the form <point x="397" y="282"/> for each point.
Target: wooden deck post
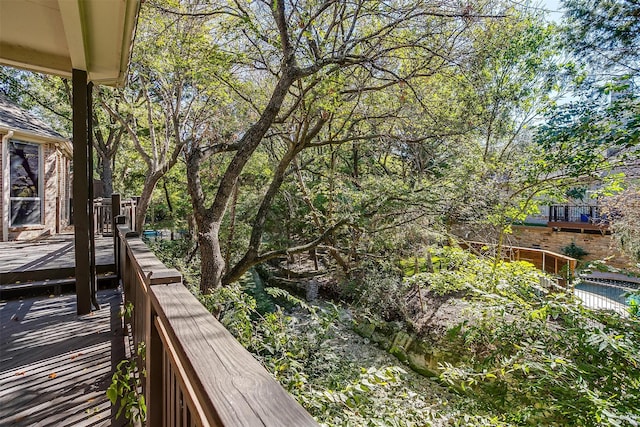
<point x="571" y="267"/>
<point x="81" y="191"/>
<point x="93" y="280"/>
<point x="115" y="213"/>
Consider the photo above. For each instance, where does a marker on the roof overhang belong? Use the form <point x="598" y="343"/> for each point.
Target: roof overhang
<point x="63" y="144"/>
<point x="57" y="36"/>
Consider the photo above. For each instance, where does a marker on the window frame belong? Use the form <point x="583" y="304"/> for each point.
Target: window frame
<point x="40" y="197"/>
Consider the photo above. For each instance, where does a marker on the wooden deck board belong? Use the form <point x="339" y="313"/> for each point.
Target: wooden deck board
<point x="56" y="252"/>
<point x="55" y="366"/>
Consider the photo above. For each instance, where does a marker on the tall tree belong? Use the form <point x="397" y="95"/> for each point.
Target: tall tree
<point x="108" y="134"/>
<point x="291" y="48"/>
<point x="605" y="33"/>
<point x="604" y="38"/>
<point x="165" y="105"/>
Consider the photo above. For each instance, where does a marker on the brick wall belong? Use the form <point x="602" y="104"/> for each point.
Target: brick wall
<point x="597" y="245"/>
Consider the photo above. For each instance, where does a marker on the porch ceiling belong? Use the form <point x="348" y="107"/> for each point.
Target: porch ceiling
<point x="56" y="36"/>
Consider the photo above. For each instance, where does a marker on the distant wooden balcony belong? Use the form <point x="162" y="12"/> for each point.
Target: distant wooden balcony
<point x="584" y="218"/>
<point x="55" y="366"/>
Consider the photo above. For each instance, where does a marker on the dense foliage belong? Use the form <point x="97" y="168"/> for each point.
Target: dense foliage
<point x="537" y="356"/>
<point x="515" y="354"/>
<point x="363" y="148"/>
<point x="605" y="33"/>
<point x="297" y="348"/>
<point x="357" y="136"/>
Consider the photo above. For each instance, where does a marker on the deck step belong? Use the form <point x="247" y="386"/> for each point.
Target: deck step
<point x="38" y="284"/>
<point x="49" y="274"/>
<point x="56" y="284"/>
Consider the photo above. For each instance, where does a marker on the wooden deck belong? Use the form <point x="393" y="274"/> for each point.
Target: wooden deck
<point x="55" y="366"/>
<point x="51" y="258"/>
<point x="583" y="227"/>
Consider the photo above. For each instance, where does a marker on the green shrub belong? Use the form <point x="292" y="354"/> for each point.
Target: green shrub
<point x="125" y="390"/>
<point x="298" y="352"/>
<point x="574" y="251"/>
<point x="544" y="359"/>
<point x="379" y="290"/>
<point x="534" y="357"/>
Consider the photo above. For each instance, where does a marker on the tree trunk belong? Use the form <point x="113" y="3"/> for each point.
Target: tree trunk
<point x="232" y="224"/>
<point x="356" y="160"/>
<point x="209" y="220"/>
<point x="106" y="176"/>
<point x="145" y="199"/>
<point x="167" y="196"/>
<point x="257" y="228"/>
<point x="211" y="259"/>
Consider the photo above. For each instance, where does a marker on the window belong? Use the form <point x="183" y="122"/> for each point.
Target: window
<point x="25" y="186"/>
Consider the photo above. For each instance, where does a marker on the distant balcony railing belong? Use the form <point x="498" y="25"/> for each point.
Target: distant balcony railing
<point x="586" y="214"/>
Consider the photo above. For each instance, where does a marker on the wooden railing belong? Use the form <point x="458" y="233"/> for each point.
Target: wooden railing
<point x="129" y="209"/>
<point x="104" y="213"/>
<point x="561" y="267"/>
<point x="197" y="374"/>
<point x="102" y="220"/>
<point x="587" y="214"/>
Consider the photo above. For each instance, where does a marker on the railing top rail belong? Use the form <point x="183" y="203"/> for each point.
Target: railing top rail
<point x="546" y="252"/>
<point x="237" y="391"/>
<point x="105" y="200"/>
<point x="108" y="200"/>
<point x="226" y="384"/>
<point x="149" y="266"/>
<point x="602" y="275"/>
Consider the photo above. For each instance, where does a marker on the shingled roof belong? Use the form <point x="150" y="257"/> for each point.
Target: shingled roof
<point x="14" y="118"/>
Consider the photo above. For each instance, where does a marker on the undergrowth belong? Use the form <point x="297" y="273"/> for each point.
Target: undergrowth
<point x="527" y="356"/>
<point x="538" y="357"/>
<point x="296" y="348"/>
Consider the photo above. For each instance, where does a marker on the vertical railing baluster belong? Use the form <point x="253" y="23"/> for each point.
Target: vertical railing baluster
<point x="154" y="371"/>
<point x="172" y="398"/>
